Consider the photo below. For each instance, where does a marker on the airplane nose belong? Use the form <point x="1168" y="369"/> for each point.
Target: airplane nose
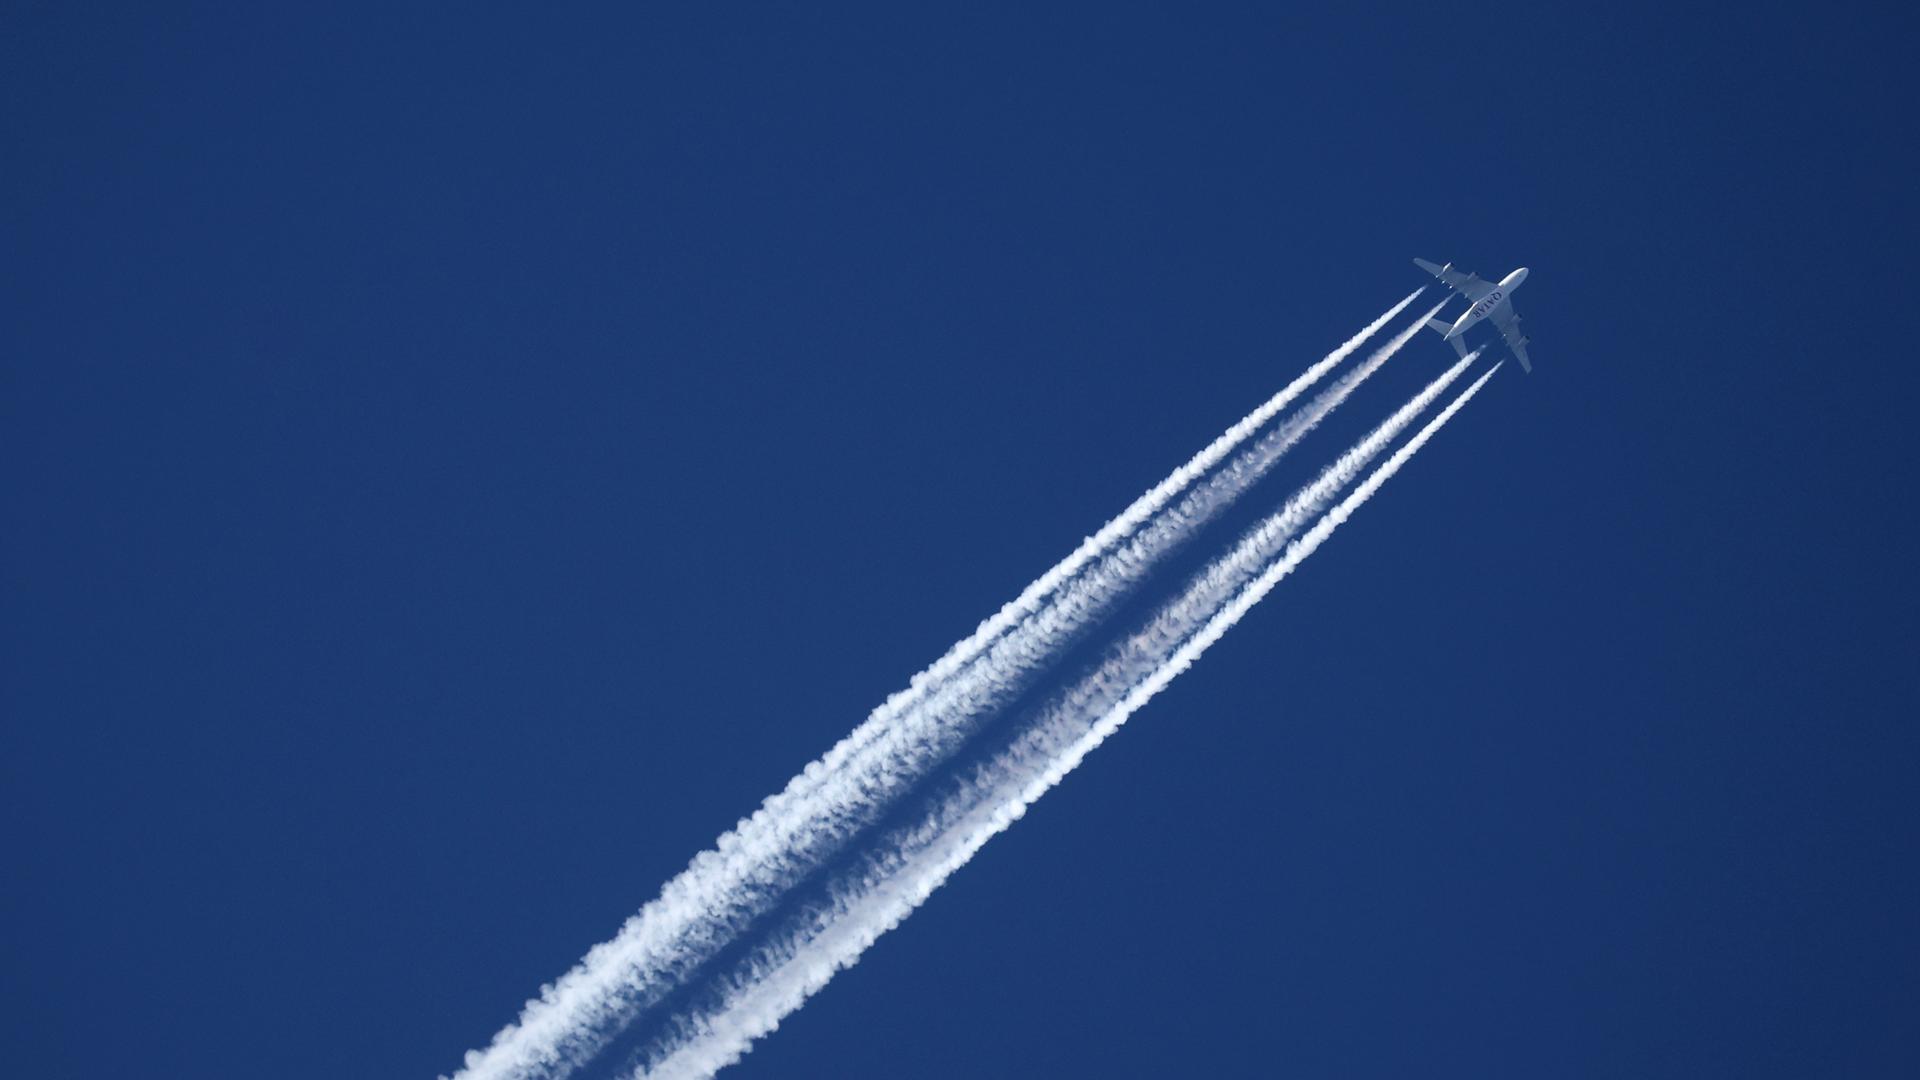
<point x="1520" y="275"/>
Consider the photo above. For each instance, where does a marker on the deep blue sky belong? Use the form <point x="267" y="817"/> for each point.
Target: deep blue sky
<point x="457" y="462"/>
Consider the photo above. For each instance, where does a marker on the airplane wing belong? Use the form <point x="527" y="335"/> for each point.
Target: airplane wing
<point x="1467" y="285"/>
<point x="1508" y="321"/>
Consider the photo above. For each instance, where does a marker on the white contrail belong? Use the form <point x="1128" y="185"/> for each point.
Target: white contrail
<point x="925" y="734"/>
<point x="910" y="865"/>
<point x="705" y="905"/>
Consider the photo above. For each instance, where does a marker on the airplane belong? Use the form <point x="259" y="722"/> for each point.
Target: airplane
<point x="1488" y="300"/>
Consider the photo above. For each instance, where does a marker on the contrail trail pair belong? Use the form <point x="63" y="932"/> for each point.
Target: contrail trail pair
<point x="930" y="731"/>
<point x="909" y="864"/>
<point x="707" y="905"/>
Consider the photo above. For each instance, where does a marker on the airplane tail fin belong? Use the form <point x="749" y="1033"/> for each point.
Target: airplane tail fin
<point x="1443" y="329"/>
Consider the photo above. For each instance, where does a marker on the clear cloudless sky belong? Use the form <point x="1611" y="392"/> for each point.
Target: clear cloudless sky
<point x="457" y="460"/>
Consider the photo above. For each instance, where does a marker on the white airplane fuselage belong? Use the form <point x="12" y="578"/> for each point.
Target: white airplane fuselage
<point x="1485" y="305"/>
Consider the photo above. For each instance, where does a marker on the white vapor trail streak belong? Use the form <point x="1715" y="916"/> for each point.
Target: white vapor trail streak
<point x="723" y="889"/>
<point x="911" y="863"/>
<point x="925" y="735"/>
